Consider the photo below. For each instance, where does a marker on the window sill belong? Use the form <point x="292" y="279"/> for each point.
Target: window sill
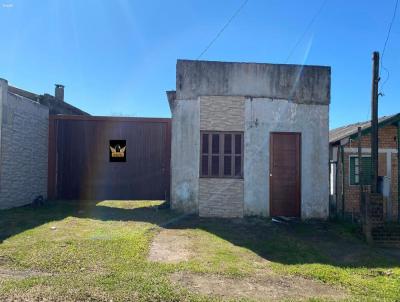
<point x="222" y="177"/>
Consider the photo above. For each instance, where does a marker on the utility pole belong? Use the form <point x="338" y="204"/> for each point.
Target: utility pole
<point x="374" y="122"/>
<point x="374" y="151"/>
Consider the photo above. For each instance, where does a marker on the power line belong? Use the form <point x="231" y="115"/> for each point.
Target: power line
<point x="386" y="41"/>
<point x="390" y="29"/>
<point x="306" y="30"/>
<point x="223" y="28"/>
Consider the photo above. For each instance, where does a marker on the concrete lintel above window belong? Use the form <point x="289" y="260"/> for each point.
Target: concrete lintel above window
<point x="368" y="150"/>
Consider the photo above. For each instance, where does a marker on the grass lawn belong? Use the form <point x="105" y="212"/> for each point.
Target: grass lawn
<point x="90" y="251"/>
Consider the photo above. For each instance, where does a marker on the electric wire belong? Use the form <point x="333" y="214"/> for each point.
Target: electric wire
<point x="236" y="13"/>
<point x="306" y="30"/>
<point x="384" y="47"/>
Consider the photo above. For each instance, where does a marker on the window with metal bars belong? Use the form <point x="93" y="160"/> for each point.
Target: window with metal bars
<point x="366" y="169"/>
<point x="221" y="154"/>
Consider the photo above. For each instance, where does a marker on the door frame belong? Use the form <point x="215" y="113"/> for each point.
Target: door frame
<point x="298" y="189"/>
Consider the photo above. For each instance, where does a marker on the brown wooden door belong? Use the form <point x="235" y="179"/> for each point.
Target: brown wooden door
<point x="285" y="174"/>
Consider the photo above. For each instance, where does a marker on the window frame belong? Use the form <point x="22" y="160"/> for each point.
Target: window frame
<point x="355" y="166"/>
<point x="221" y="154"/>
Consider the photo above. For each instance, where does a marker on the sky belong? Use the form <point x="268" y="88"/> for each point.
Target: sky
<point x="118" y="57"/>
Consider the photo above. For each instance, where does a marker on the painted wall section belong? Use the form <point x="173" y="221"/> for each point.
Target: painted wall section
<point x="23" y="156"/>
<point x="264" y="116"/>
<point x="185" y="156"/>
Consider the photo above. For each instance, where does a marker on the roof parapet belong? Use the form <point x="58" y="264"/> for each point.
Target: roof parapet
<point x="303" y="84"/>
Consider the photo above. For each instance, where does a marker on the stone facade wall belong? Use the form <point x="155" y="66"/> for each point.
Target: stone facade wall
<point x="222" y="113"/>
<point x="221" y="197"/>
<point x="24" y="149"/>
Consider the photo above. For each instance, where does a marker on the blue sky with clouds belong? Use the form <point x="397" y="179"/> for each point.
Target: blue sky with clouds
<point x="118" y="57"/>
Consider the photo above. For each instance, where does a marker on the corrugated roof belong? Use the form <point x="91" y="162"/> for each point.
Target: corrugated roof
<point x="348" y="130"/>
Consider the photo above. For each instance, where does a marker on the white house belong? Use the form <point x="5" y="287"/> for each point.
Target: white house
<point x="250" y="139"/>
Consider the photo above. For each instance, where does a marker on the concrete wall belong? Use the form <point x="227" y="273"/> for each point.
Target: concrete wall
<point x="299" y="83"/>
<point x="264" y="116"/>
<point x="236" y="197"/>
<point x="23" y="149"/>
<point x="185" y="156"/>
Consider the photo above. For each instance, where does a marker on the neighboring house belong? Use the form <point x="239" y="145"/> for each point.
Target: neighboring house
<point x="24" y="122"/>
<point x="250" y="139"/>
<point x="56" y="103"/>
<point x="344" y="176"/>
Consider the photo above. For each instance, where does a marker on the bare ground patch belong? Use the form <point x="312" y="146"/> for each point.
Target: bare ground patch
<point x="271" y="287"/>
<point x="47" y="293"/>
<point x="20" y="274"/>
<point x="170" y="246"/>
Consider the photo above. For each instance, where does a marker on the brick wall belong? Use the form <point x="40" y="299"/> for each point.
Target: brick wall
<point x="387" y="142"/>
<point x="222" y="197"/>
<point x="387" y="235"/>
<point x="23" y="156"/>
<point x="387" y="138"/>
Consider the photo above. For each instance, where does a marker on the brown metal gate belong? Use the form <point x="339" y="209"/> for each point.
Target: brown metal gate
<point x="80" y="165"/>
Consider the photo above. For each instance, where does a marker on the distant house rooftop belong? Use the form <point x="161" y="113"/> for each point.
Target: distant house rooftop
<point x="56" y="103"/>
<point x="336" y="135"/>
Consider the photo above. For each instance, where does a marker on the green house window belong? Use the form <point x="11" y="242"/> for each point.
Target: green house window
<point x="366" y="177"/>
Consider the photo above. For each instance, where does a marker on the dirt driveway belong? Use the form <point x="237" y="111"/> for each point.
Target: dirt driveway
<point x="182" y="246"/>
